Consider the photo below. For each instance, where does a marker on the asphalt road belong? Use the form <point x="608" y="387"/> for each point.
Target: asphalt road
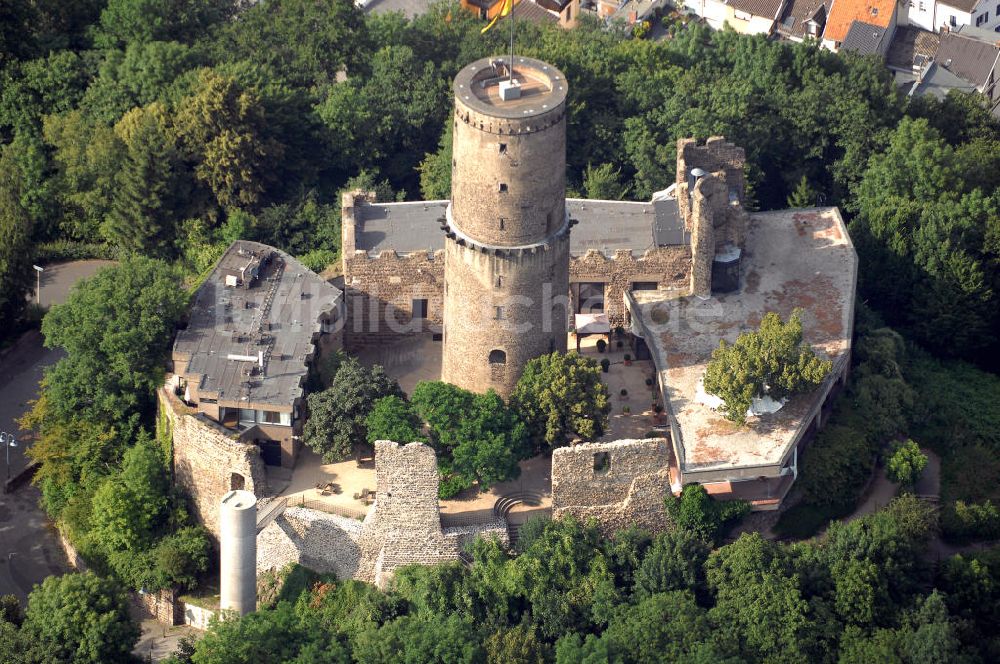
<point x="29" y="548"/>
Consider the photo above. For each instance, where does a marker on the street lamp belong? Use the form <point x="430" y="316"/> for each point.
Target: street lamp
<point x="8" y="441"/>
<point x="38" y="284"/>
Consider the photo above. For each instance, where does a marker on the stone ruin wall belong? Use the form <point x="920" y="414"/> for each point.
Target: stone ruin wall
<point x="402" y="528"/>
<point x="205" y="457"/>
<point x="379" y="290"/>
<point x="717" y="156"/>
<point x="619" y="484"/>
<point x="404" y="525"/>
<point x="708" y="212"/>
<point x="668" y="266"/>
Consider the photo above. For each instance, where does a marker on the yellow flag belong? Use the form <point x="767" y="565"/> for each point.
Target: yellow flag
<point x="504" y="11"/>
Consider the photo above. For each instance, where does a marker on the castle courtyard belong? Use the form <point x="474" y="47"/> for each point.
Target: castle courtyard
<point x="332" y="487"/>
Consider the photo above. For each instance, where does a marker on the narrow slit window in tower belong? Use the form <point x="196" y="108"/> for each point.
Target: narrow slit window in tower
<point x="503" y="148"/>
<point x="503" y="222"/>
<point x="498" y="313"/>
<point x="503" y="187"/>
<point x="602" y="463"/>
<point x="499" y="281"/>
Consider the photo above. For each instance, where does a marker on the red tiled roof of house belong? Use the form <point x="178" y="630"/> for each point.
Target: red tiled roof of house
<point x="845" y="12"/>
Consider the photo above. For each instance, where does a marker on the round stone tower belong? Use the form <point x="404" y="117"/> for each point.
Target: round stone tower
<point x="507" y="250"/>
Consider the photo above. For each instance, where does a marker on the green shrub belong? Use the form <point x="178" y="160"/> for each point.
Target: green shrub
<point x="804" y="520"/>
<point x="61" y="251"/>
<point x="452" y="484"/>
<point x="906" y="464"/>
<point x="835" y="469"/>
<point x="318" y="260"/>
<point x="964" y="522"/>
<point x="698" y="512"/>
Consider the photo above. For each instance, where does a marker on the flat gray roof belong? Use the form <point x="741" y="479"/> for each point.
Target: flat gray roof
<point x="799" y="258"/>
<point x="277" y="316"/>
<point x="603" y="225"/>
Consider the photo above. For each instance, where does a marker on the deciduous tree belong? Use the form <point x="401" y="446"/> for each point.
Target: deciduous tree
<point x="338" y="414"/>
<point x="16" y="275"/>
<point x="772" y="361"/>
<point x="559" y="396"/>
<point x="80" y="619"/>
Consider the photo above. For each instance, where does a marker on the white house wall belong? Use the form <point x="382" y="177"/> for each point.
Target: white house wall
<point x="920" y="14"/>
<point x="716" y="14"/>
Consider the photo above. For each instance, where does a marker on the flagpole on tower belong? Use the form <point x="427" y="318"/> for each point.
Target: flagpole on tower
<point x="511" y="73"/>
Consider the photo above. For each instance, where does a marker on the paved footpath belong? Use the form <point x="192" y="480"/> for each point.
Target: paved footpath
<point x="29" y="547"/>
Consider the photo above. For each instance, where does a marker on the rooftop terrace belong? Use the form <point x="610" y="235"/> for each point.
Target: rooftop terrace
<point x="250" y="341"/>
<point x="605" y="226"/>
<point x="543" y="87"/>
<point x="792" y="259"/>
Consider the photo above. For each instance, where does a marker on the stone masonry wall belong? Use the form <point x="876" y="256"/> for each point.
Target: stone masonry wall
<point x="667" y="266"/>
<point x="405" y="524"/>
<point x="403" y="527"/>
<point x="379" y="293"/>
<point x="325" y="543"/>
<point x="373" y="283"/>
<point x="205" y="458"/>
<point x="620" y="484"/>
<point x="717" y="155"/>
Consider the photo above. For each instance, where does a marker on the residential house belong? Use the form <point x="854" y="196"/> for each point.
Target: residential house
<point x="952" y="14"/>
<point x="749" y="17"/>
<point x="562" y="12"/>
<point x="867" y="39"/>
<point x="973" y="56"/>
<point x="879" y="13"/>
<point x="803" y="19"/>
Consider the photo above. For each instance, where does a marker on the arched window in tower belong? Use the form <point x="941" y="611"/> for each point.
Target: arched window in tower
<point x="497" y="356"/>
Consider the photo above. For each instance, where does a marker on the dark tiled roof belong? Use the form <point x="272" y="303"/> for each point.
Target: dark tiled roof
<point x="938" y="81"/>
<point x="912" y="47"/>
<point x="527" y="9"/>
<point x="763" y="8"/>
<point x="967" y="57"/>
<point x="797" y="12"/>
<point x="602" y="225"/>
<point x="863" y="38"/>
<point x="556" y="6"/>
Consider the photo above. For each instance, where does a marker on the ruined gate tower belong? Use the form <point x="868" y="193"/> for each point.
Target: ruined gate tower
<point x="507" y="253"/>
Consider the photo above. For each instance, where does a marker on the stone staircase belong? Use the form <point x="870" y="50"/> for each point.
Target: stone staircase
<point x="506" y="503"/>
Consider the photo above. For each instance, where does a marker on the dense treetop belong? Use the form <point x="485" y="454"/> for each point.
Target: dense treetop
<point x="169" y="127"/>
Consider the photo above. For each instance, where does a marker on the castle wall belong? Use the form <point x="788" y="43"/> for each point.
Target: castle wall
<point x="403" y="527"/>
<point x="667" y="266"/>
<point x="620" y="484"/>
<point x="713" y="209"/>
<point x="205" y="458"/>
<point x="380" y="292"/>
